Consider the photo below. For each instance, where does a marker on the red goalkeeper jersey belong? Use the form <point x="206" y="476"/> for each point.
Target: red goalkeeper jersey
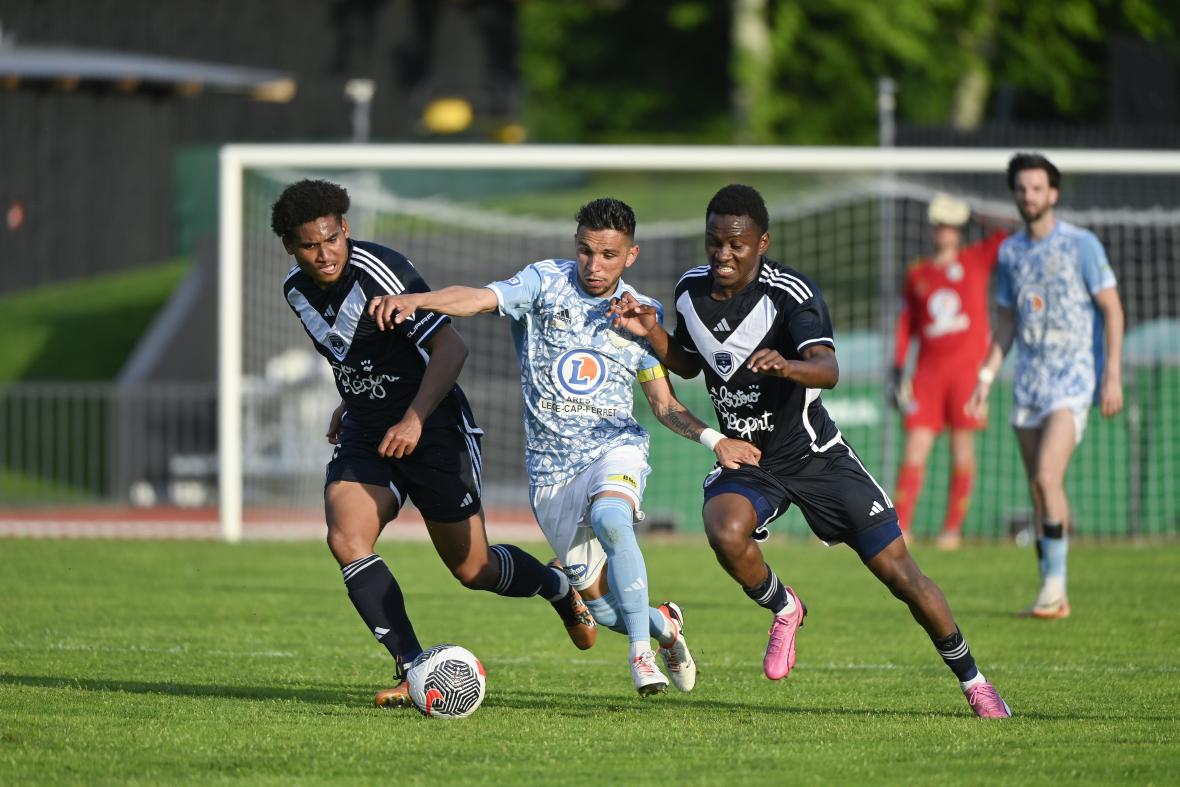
<point x="945" y="308"/>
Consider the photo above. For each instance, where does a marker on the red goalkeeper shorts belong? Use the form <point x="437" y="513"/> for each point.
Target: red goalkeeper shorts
<point x="939" y="398"/>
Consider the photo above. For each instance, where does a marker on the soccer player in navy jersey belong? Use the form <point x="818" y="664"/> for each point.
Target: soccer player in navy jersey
<point x="403" y="429"/>
<point x="762" y="334"/>
<point x="1059" y="302"/>
<point x="586" y="453"/>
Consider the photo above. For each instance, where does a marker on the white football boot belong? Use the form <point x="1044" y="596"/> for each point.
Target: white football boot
<point x="647" y="676"/>
<point x="676" y="655"/>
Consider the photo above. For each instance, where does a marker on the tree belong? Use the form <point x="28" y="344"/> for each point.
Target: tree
<point x="806" y="71"/>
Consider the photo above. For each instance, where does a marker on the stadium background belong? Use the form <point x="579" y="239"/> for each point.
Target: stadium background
<point x="90" y="150"/>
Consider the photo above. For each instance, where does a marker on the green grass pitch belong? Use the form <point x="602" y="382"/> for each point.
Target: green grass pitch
<point x="163" y="663"/>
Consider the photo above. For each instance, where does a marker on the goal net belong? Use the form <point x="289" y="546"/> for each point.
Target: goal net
<point x="852" y="219"/>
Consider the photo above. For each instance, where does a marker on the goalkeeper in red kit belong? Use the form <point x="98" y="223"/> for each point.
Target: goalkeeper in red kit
<point x="946" y="311"/>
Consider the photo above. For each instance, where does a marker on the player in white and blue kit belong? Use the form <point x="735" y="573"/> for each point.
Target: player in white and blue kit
<point x="1057" y="299"/>
<point x="586" y="453"/>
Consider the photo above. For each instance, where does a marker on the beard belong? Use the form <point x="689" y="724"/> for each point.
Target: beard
<point x="1032" y="213"/>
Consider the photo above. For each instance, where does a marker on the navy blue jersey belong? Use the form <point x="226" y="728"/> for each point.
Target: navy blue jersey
<point x="781" y="309"/>
<point x="377" y="372"/>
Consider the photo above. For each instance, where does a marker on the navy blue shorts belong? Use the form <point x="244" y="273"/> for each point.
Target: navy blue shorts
<point x="840" y="500"/>
<point x="442" y="476"/>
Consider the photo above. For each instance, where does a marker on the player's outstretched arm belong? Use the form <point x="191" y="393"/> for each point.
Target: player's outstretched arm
<point x="390" y="310"/>
<point x="1107" y="301"/>
<point x="627" y="313"/>
<point x="673" y="414"/>
<point x="817" y="369"/>
<point x="448" y="352"/>
<point x="1003" y="332"/>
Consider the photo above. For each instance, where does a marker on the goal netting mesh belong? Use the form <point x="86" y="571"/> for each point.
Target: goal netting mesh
<point x="853" y="232"/>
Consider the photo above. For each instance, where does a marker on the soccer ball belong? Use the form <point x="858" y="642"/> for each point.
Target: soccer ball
<point x="446" y="682"/>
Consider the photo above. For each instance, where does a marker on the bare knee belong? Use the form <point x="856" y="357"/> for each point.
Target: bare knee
<point x="1046" y="483"/>
<point x="903" y="578"/>
<point x="346" y="546"/>
<point x="727" y="535"/>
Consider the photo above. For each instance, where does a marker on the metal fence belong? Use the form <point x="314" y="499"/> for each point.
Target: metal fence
<point x="78" y="443"/>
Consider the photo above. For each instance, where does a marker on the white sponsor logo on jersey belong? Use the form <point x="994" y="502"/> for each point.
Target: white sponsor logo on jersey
<point x="579" y="372"/>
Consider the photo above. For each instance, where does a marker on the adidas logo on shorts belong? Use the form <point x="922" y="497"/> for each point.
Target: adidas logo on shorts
<point x="466" y="500"/>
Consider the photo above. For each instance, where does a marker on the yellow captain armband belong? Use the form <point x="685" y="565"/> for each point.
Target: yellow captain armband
<point x="654" y="373"/>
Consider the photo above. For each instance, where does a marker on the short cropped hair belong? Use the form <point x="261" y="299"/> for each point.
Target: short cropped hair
<point x="739" y="200"/>
<point x="1023" y="161"/>
<point x="606" y="213"/>
<point x="305" y="201"/>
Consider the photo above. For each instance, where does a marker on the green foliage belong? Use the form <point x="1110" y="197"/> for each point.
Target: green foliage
<point x="82" y="330"/>
<point x="610" y="71"/>
<point x="247" y="665"/>
<point x="633" y="70"/>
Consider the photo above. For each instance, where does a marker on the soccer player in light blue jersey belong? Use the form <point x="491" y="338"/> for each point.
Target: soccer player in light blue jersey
<point x="586" y="453"/>
<point x="1058" y="300"/>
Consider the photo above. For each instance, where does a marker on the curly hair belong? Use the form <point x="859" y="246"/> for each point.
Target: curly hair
<point x="305" y="201"/>
<point x="739" y="200"/>
<point x="606" y="213"/>
<point x="1023" y="161"/>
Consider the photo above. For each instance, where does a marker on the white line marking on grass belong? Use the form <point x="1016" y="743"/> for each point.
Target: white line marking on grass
<point x="170" y="650"/>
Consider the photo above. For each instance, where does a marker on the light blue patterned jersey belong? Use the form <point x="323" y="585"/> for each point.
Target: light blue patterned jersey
<point x="1050" y="285"/>
<point x="576" y="371"/>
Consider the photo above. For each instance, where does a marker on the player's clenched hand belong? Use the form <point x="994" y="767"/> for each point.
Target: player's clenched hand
<point x="629" y="314"/>
<point x="335" y="423"/>
<point x="401" y="439"/>
<point x="976" y="406"/>
<point x="733" y="453"/>
<point x="1112" y="396"/>
<point x="391" y="310"/>
<point x="768" y="361"/>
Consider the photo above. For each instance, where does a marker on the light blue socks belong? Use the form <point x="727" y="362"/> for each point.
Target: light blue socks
<point x="607" y="613"/>
<point x="612" y="521"/>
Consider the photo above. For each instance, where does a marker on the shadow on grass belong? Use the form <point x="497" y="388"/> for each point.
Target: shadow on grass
<point x="582" y="705"/>
<point x="595" y="706"/>
<point x="570" y="704"/>
<point x="340" y="696"/>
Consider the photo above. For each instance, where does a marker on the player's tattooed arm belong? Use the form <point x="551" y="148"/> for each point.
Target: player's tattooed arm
<point x="817" y="369"/>
<point x="673" y="414"/>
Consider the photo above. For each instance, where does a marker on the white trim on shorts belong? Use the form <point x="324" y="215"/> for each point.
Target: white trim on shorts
<point x="563" y="509"/>
<point x="1032" y="417"/>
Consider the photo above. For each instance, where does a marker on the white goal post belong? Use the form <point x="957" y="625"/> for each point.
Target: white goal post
<point x="238" y="159"/>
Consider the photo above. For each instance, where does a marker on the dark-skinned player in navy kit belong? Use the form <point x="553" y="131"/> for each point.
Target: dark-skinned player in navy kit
<point x="762" y="334"/>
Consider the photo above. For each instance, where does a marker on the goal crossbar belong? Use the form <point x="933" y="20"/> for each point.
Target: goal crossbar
<point x="235" y="159"/>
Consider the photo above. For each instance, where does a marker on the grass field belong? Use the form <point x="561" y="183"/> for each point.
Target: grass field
<point x="145" y="662"/>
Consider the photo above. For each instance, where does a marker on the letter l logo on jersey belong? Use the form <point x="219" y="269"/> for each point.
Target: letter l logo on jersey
<point x="579" y="372"/>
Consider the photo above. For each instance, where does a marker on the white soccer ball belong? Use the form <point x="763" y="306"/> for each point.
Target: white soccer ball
<point x="446" y="682"/>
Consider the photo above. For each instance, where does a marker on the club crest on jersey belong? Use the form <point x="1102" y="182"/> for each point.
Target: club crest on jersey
<point x="579" y="372"/>
<point x="337" y="345"/>
<point x="723" y="362"/>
